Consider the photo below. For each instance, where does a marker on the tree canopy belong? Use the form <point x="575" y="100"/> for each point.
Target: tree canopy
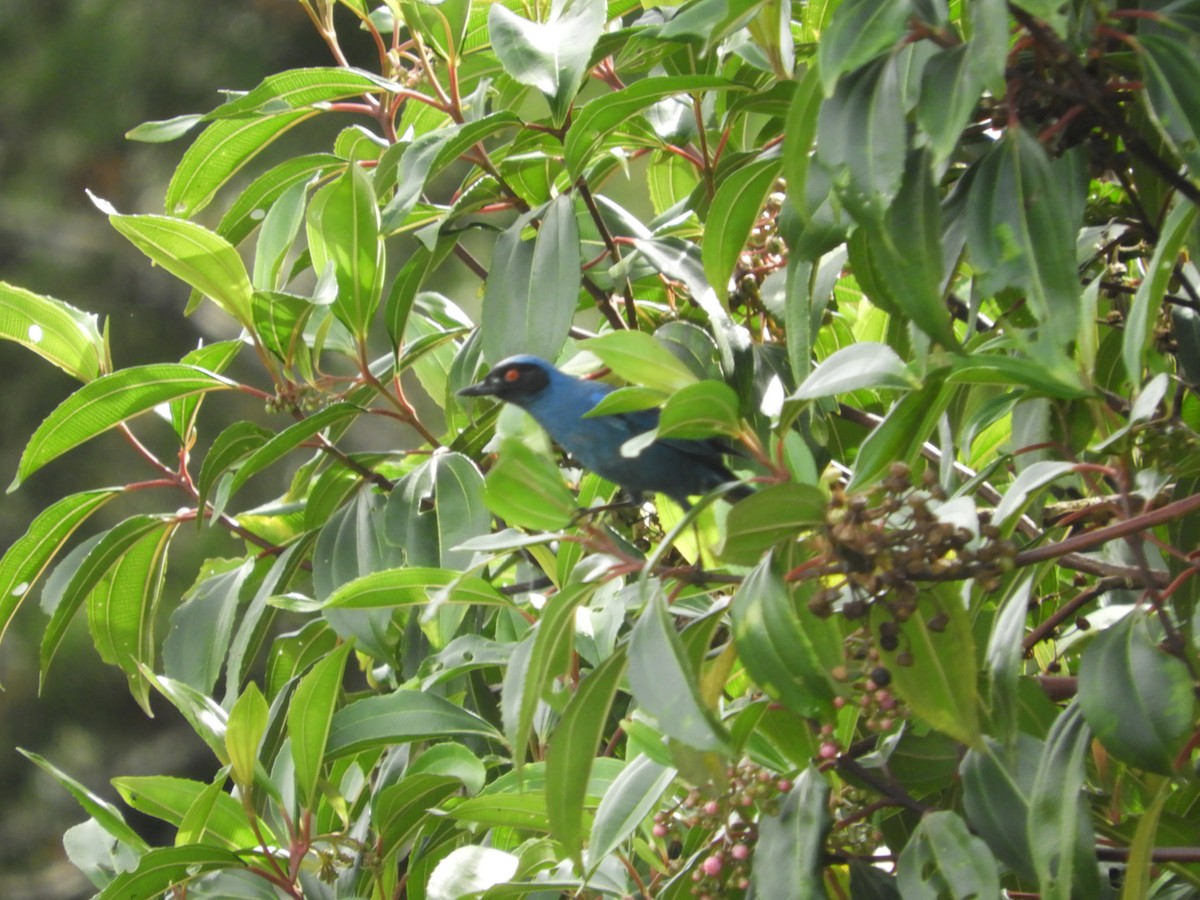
<point x="927" y="266"/>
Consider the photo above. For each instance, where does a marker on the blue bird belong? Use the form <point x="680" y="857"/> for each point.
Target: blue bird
<point x="676" y="467"/>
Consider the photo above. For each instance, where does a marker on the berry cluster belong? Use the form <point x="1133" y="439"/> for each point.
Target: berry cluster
<point x="728" y="822"/>
<point x="765" y="252"/>
<point x="881" y="545"/>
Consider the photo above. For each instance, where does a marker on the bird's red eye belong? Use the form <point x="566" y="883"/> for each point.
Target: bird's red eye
<point x="512" y="375"/>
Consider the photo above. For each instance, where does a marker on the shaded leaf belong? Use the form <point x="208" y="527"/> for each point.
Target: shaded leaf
<point x="552" y="56"/>
<point x="397" y="718"/>
<point x="665" y="684"/>
<point x="310" y="721"/>
<point x="864" y="364"/>
<point x="1136" y="699"/>
<point x="777" y="654"/>
<point x="787" y="860"/>
<point x="571" y="751"/>
<point x="525" y="488"/>
<point x="939" y="683"/>
<point x="943" y="859"/>
<point x="1059" y="823"/>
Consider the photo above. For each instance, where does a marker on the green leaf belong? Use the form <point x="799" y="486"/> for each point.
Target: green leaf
<point x="236" y="442"/>
<point x="408" y="282"/>
<point x="902" y="433"/>
<point x="454" y="761"/>
<point x="771" y="515"/>
<point x="276" y="236"/>
<point x="400" y="810"/>
<point x="859" y="31"/>
<point x="735" y="208"/>
<point x="554" y="56"/>
<point x="58" y="332"/>
<point x="701" y="410"/>
<point x="399" y="718"/>
<point x="344" y="232"/>
<point x="106" y="402"/>
<point x="679" y="260"/>
<point x="310" y="720"/>
<point x="950" y="89"/>
<point x="862" y="137"/>
<point x="791" y="843"/>
<point x="413" y="586"/>
<point x="525" y="811"/>
<point x="1004" y="657"/>
<point x="162" y="867"/>
<point x="1059" y="823"/>
<point x="243" y="734"/>
<point x="665" y="684"/>
<point x="164" y="130"/>
<point x="865" y="364"/>
<point x="996" y="784"/>
<point x="435" y="508"/>
<point x="978" y="368"/>
<point x="296" y="88"/>
<point x="638" y="358"/>
<point x="201" y="626"/>
<point x="203" y="714"/>
<point x="800" y="129"/>
<point x="470" y="870"/>
<point x="289" y="439"/>
<point x="625" y="805"/>
<point x="294" y="652"/>
<point x="776" y="652"/>
<point x="598" y="118"/>
<point x="532" y="290"/>
<point x="219" y="152"/>
<point x="102" y="556"/>
<point x="526" y="489"/>
<point x="1034" y="476"/>
<point x="1136" y="699"/>
<point x="572" y="749"/>
<point x="939" y="684"/>
<point x="255" y="200"/>
<point x="431" y="153"/>
<point x="195" y="255"/>
<point x="943" y="859"/>
<point x="549" y="656"/>
<point x="1172" y="73"/>
<point x="169" y="799"/>
<point x="121" y="609"/>
<point x="24" y="562"/>
<point x="102" y="811"/>
<point x="1143" y="312"/>
<point x="1020" y="234"/>
<point x="905" y="253"/>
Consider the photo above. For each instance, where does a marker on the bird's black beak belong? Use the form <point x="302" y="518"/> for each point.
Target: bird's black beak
<point x="482" y="389"/>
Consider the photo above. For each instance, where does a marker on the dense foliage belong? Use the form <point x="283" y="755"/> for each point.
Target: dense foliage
<point x="928" y="266"/>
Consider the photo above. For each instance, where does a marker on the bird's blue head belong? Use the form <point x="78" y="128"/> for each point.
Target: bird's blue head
<point x="518" y="379"/>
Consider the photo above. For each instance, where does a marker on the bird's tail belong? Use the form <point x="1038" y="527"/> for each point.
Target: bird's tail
<point x="741" y="492"/>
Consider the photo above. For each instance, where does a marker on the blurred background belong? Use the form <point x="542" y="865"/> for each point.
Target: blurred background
<point x="75" y="75"/>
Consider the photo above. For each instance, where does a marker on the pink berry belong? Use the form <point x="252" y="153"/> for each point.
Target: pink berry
<point x="740" y="851"/>
<point x="660" y="830"/>
<point x="711" y="866"/>
<point x="711" y="808"/>
<point x="839" y="702"/>
<point x="829" y="750"/>
<point x="785" y="785"/>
